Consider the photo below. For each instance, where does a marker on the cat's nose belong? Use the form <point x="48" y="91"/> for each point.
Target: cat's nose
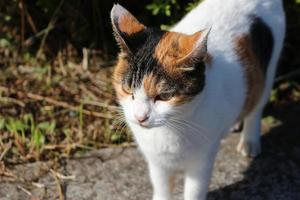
<point x="141" y="118"/>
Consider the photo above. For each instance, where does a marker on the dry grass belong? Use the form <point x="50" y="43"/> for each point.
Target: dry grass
<point x="58" y="109"/>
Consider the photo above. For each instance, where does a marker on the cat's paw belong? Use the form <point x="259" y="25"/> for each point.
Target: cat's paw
<point x="249" y="148"/>
<point x="238" y="127"/>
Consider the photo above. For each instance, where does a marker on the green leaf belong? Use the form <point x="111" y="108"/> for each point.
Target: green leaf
<point x="4" y="43"/>
<point x="38" y="138"/>
<point x="44" y="125"/>
<point x="20" y="126"/>
<point x="269" y="120"/>
<point x="7" y="18"/>
<point x="165" y="27"/>
<point x="168" y="10"/>
<point x="2" y="123"/>
<point x="155" y="11"/>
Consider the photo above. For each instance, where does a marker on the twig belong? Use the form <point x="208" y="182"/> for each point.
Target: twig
<point x="57" y="103"/>
<point x="22" y="13"/>
<point x="288" y="75"/>
<point x="58" y="185"/>
<point x="87" y="91"/>
<point x="61" y="176"/>
<point x="5" y="150"/>
<point x="5" y="172"/>
<point x="30" y="20"/>
<point x="85" y="59"/>
<point x="61" y="63"/>
<point x="74" y="145"/>
<point x="24" y="190"/>
<point x="123" y="145"/>
<point x="49" y="27"/>
<point x="12" y="100"/>
<point x="38" y="185"/>
<point x="30" y="40"/>
<point x="66" y="105"/>
<point x="103" y="105"/>
<point x="63" y="146"/>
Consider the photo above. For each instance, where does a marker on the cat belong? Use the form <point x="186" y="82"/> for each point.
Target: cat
<point x="181" y="90"/>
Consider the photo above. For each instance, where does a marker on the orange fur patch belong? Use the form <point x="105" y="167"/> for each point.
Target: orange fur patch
<point x="174" y="48"/>
<point x="253" y="70"/>
<point x="129" y="24"/>
<point x="120" y="69"/>
<point x="172" y="183"/>
<point x="150" y="87"/>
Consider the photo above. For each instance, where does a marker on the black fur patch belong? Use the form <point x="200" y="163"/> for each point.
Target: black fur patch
<point x="262" y="40"/>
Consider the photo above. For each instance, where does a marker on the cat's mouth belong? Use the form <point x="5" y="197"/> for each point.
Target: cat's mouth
<point x="145" y="125"/>
<point x="148" y="125"/>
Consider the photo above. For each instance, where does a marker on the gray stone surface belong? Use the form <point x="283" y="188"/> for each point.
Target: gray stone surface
<point x="121" y="174"/>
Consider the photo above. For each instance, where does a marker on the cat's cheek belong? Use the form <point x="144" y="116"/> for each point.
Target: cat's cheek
<point x="126" y="104"/>
<point x="163" y="108"/>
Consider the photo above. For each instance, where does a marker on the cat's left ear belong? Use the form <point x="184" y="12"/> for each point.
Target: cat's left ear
<point x="129" y="32"/>
<point x="198" y="42"/>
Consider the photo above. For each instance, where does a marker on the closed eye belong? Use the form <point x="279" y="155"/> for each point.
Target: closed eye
<point x="163" y="97"/>
<point x="126" y="89"/>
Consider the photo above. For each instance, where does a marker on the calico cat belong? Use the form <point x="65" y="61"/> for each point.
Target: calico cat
<point x="182" y="90"/>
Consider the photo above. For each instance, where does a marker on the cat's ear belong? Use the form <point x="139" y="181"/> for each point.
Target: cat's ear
<point x="194" y="47"/>
<point x="128" y="31"/>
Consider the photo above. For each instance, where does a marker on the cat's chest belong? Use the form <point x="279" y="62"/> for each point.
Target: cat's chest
<point x="166" y="144"/>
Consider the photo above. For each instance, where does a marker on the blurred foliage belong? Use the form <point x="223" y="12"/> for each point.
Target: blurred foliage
<point x="73" y="24"/>
<point x="162" y="7"/>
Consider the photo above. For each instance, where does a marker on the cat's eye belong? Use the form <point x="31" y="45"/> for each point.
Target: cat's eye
<point x="163" y="97"/>
<point x="126" y="89"/>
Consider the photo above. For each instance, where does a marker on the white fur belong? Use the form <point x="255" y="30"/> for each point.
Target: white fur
<point x="192" y="142"/>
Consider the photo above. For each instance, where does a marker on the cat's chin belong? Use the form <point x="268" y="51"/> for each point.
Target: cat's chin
<point x="148" y="125"/>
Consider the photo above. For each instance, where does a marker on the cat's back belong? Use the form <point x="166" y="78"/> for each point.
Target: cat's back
<point x="231" y="16"/>
<point x="231" y="19"/>
<point x="233" y="53"/>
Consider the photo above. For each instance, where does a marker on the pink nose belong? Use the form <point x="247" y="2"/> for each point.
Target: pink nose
<point x="141" y="118"/>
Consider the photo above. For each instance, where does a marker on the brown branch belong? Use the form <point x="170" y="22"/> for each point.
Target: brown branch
<point x="56" y="103"/>
<point x="8" y="147"/>
<point x="22" y="24"/>
<point x="30" y="20"/>
<point x="49" y="27"/>
<point x="290" y="75"/>
<point x="58" y="185"/>
<point x="11" y="100"/>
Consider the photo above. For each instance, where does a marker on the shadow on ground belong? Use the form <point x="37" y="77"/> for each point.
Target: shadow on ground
<point x="275" y="174"/>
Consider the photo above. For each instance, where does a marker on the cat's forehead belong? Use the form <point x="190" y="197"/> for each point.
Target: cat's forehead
<point x="158" y="55"/>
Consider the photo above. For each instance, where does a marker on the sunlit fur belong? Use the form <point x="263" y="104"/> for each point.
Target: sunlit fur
<point x="182" y="90"/>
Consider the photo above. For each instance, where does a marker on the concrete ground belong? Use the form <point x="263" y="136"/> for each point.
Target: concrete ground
<point x="121" y="174"/>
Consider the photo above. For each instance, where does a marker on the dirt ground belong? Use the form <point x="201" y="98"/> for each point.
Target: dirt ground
<point x="121" y="173"/>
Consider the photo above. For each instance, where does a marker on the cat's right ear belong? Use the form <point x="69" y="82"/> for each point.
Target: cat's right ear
<point x="128" y="31"/>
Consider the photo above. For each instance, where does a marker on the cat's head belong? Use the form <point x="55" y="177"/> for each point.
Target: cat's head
<point x="158" y="71"/>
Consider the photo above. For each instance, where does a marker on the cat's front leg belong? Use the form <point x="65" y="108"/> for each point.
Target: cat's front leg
<point x="249" y="144"/>
<point x="160" y="178"/>
<point x="197" y="177"/>
<point x="196" y="184"/>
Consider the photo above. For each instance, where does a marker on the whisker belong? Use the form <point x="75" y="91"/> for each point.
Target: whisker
<point x="178" y="130"/>
<point x="187" y="122"/>
<point x="192" y="126"/>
